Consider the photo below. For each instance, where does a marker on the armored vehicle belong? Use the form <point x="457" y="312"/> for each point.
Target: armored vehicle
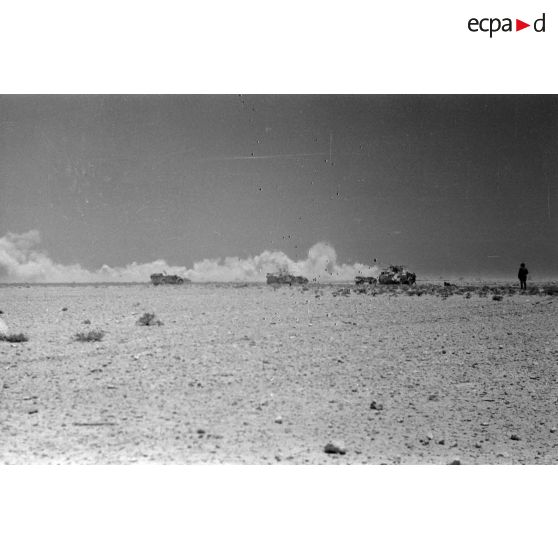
<point x="285" y="279"/>
<point x="396" y="275"/>
<point x="164" y="279"/>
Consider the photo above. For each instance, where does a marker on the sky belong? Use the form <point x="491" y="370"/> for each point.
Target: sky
<point x="114" y="187"/>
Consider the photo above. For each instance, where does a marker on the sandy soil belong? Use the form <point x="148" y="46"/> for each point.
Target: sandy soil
<point x="263" y="375"/>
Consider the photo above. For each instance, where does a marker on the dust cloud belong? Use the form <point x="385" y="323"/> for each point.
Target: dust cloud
<point x="22" y="261"/>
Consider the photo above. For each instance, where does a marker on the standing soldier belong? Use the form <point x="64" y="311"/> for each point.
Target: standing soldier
<point x="522" y="275"/>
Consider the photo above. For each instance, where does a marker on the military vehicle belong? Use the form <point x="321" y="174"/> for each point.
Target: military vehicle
<point x="396" y="275"/>
<point x="283" y="278"/>
<point x="164" y="279"/>
<point x="360" y="280"/>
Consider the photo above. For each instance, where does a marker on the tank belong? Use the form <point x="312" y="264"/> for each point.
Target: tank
<point x="396" y="275"/>
<point x="285" y="279"/>
<point x="164" y="279"/>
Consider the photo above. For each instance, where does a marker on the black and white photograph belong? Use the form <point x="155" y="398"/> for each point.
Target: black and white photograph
<point x="278" y="279"/>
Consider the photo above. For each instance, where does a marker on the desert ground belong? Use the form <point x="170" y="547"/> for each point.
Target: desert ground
<point x="255" y="374"/>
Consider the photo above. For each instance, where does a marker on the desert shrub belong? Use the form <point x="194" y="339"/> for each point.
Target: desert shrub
<point x="14" y="338"/>
<point x="148" y="319"/>
<point x="90" y="336"/>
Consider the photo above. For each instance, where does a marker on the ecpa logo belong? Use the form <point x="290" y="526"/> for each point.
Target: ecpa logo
<point x="492" y="25"/>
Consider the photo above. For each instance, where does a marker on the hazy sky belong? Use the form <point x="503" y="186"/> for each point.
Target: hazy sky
<point x="455" y="185"/>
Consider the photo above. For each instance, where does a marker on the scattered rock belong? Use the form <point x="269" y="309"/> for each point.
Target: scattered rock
<point x="515" y="437"/>
<point x="200" y="431"/>
<point x="442" y="442"/>
<point x="336" y="447"/>
<point x="149" y="319"/>
<point x="279" y="420"/>
<point x="87" y="322"/>
<point x="433" y="397"/>
<point x="497" y="297"/>
<point x="376" y="406"/>
<point x="552" y="430"/>
<point x="455" y="461"/>
<point x="64" y="309"/>
<point x="478" y="445"/>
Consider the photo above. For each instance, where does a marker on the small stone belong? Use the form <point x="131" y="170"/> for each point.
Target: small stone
<point x="478" y="445"/>
<point x="484" y="423"/>
<point x="442" y="442"/>
<point x="376" y="406"/>
<point x="87" y="322"/>
<point x="552" y="430"/>
<point x="433" y="397"/>
<point x="64" y="309"/>
<point x="455" y="461"/>
<point x="515" y="437"/>
<point x="279" y="420"/>
<point x="200" y="431"/>
<point x="335" y="447"/>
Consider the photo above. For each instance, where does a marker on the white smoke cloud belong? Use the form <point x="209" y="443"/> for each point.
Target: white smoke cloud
<point x="20" y="261"/>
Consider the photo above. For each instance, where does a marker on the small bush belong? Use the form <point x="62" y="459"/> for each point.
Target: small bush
<point x="90" y="336"/>
<point x="148" y="319"/>
<point x="14" y="338"/>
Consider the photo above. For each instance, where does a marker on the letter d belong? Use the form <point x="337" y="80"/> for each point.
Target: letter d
<point x="535" y="25"/>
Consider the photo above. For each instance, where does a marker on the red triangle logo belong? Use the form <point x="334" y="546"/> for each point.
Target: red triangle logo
<point x="519" y="25"/>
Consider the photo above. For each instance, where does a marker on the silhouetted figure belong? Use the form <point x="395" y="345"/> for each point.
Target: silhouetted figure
<point x="522" y="275"/>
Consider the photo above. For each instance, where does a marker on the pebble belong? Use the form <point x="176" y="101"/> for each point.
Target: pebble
<point x="376" y="406"/>
<point x="552" y="430"/>
<point x="279" y="420"/>
<point x="515" y="437"/>
<point x="335" y="447"/>
<point x="478" y="445"/>
<point x="442" y="442"/>
<point x="455" y="462"/>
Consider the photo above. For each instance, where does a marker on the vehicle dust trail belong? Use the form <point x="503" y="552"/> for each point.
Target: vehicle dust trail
<point x="22" y="260"/>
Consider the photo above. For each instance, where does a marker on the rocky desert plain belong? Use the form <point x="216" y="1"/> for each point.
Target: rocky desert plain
<point x="255" y="374"/>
